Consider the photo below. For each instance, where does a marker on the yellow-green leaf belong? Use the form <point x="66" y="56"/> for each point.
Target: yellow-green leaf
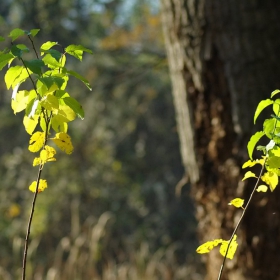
<point x="249" y="174"/>
<point x="208" y="246"/>
<point x="262" y="188"/>
<point x="49" y="102"/>
<point x="253" y="141"/>
<point x="36" y="141"/>
<point x="232" y="248"/>
<point x="275" y="92"/>
<point x="30" y="123"/>
<point x="271" y="179"/>
<point x="63" y="141"/>
<point x="12" y="74"/>
<point x="42" y="186"/>
<point x="20" y="102"/>
<point x="237" y="202"/>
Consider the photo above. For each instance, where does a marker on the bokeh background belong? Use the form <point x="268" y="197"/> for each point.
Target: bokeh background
<point x="111" y="210"/>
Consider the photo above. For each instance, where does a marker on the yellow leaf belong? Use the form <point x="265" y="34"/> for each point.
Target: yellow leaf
<point x="237" y="202"/>
<point x="249" y="174"/>
<point x="251" y="163"/>
<point x="36" y="161"/>
<point x="30" y="123"/>
<point x="42" y="186"/>
<point x="63" y="141"/>
<point x="208" y="246"/>
<point x="232" y="248"/>
<point x="36" y="141"/>
<point x="262" y="188"/>
<point x="20" y="102"/>
<point x="47" y="154"/>
<point x="271" y="179"/>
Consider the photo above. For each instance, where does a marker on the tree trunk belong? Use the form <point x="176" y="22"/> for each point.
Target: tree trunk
<point x="224" y="58"/>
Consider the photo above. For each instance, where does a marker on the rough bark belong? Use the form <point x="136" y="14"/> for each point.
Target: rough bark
<point x="224" y="58"/>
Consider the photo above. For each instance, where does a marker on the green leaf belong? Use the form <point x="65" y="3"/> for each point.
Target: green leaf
<point x="12" y="74"/>
<point x="268" y="127"/>
<point x="49" y="81"/>
<point x="55" y="54"/>
<point x="35" y="66"/>
<point x="276" y="107"/>
<point x="75" y="106"/>
<point x="275" y="92"/>
<point x="273" y="162"/>
<point x="263" y="104"/>
<point x="253" y="141"/>
<point x="81" y="78"/>
<point x="4" y="59"/>
<point x="16" y="33"/>
<point x="2" y="39"/>
<point x="46" y="46"/>
<point x="51" y="62"/>
<point x="34" y="32"/>
<point x="77" y="51"/>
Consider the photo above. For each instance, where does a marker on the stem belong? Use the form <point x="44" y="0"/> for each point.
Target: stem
<point x="29" y="223"/>
<point x="33" y="46"/>
<point x="240" y="219"/>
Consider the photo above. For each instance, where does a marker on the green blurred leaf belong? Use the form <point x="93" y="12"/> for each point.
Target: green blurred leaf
<point x="49" y="102"/>
<point x="34" y="32"/>
<point x="46" y="46"/>
<point x="16" y="33"/>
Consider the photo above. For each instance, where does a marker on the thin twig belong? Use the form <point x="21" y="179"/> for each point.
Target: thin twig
<point x="29" y="223"/>
<point x="240" y="219"/>
<point x="33" y="46"/>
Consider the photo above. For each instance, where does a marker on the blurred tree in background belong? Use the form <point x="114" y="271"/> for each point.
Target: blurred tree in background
<point x="111" y="208"/>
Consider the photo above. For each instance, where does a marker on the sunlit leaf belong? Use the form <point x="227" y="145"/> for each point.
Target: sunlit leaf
<point x="237" y="202"/>
<point x="30" y="123"/>
<point x="77" y="51"/>
<point x="20" y="102"/>
<point x="249" y="174"/>
<point x="4" y="59"/>
<point x="47" y="154"/>
<point x="63" y="142"/>
<point x="276" y="107"/>
<point x="208" y="246"/>
<point x="12" y="74"/>
<point x="262" y="105"/>
<point x="36" y="141"/>
<point x="262" y="188"/>
<point x="46" y="46"/>
<point x="41" y="187"/>
<point x="271" y="179"/>
<point x="275" y="92"/>
<point x="50" y="102"/>
<point x="251" y="163"/>
<point x="253" y="141"/>
<point x="232" y="248"/>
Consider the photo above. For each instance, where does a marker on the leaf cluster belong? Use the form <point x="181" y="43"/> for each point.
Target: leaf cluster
<point x="269" y="174"/>
<point x="47" y="106"/>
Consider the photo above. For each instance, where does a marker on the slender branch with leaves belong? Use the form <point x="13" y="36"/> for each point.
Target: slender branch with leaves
<point x="269" y="173"/>
<point x="47" y="107"/>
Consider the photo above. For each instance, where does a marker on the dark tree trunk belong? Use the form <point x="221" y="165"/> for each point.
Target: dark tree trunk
<point x="224" y="57"/>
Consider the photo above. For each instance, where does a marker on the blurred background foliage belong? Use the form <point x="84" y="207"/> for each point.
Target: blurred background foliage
<point x="110" y="211"/>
